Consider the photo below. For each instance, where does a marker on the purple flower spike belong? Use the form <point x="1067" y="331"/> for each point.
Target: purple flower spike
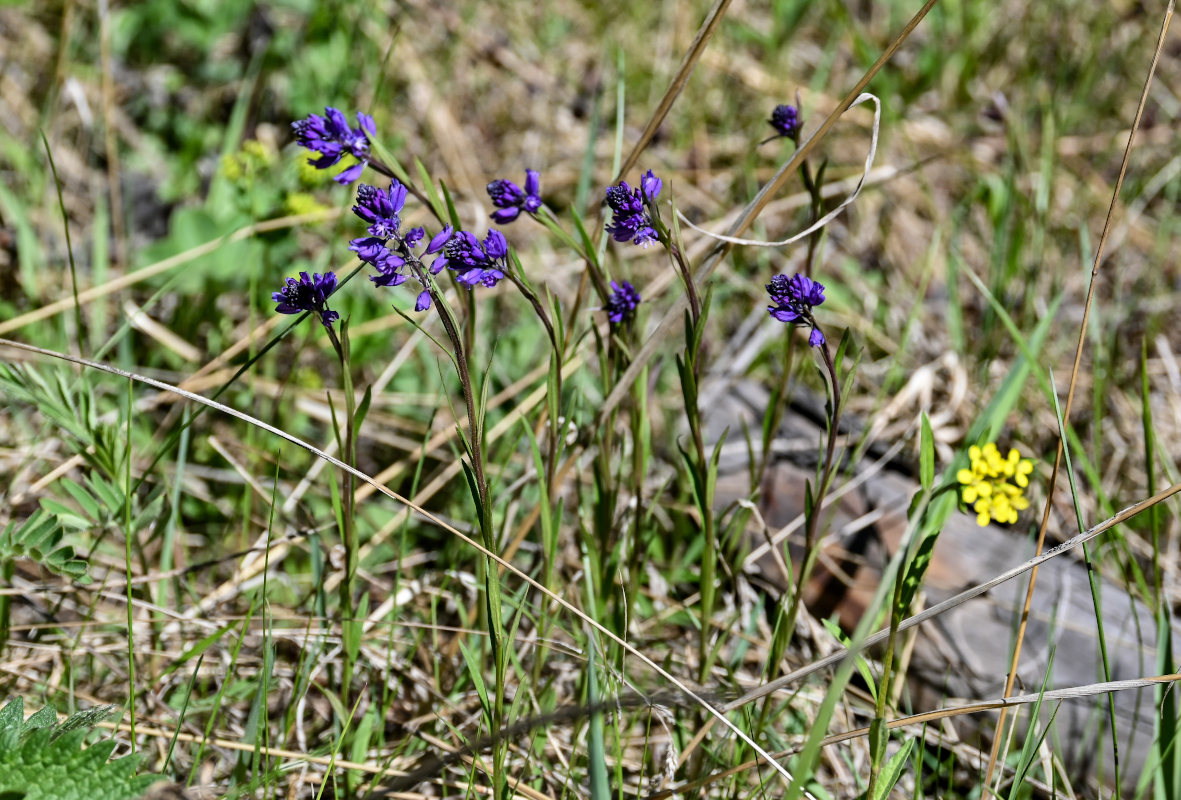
<point x="381" y="208"/>
<point x="794" y="299"/>
<point x="631" y="219"/>
<point x="621" y="305"/>
<point x="786" y="121"/>
<point x="307" y="294"/>
<point x="475" y="263"/>
<point x="510" y="200"/>
<point x="331" y="137"/>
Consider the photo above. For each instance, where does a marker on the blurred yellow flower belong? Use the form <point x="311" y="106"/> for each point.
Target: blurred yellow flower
<point x="993" y="486"/>
<point x="303" y="203"/>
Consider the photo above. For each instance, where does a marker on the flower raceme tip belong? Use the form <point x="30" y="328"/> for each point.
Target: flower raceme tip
<point x="331" y="137"/>
<point x="786" y="121"/>
<point x="621" y="305"/>
<point x="510" y="199"/>
<point x="794" y="299"/>
<point x="307" y="294"/>
<point x="994" y="486"/>
<point x="631" y="210"/>
<point x="475" y="262"/>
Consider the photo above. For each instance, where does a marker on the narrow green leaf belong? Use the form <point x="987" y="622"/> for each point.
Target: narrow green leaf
<point x="926" y="453"/>
<point x="893" y="770"/>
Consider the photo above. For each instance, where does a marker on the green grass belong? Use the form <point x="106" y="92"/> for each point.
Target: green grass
<point x="218" y="606"/>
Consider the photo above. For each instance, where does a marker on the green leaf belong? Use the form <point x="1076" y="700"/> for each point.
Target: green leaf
<point x="926" y="453"/>
<point x="43" y="760"/>
<point x="893" y="771"/>
<point x="428" y="188"/>
<point x="39" y="539"/>
<point x="473" y="668"/>
<point x="596" y="746"/>
<point x="363" y="408"/>
<point x="84" y="499"/>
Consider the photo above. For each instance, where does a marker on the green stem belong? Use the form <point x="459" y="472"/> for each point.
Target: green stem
<point x="348" y="532"/>
<point x="878" y="732"/>
<point x="487" y="533"/>
<point x="813" y="519"/>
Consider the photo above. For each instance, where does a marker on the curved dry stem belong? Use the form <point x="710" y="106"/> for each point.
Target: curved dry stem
<point x="751" y="212"/>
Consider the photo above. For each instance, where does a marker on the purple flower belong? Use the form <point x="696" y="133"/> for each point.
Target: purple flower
<point x="651" y="186"/>
<point x="307" y="294"/>
<point x="631" y="219"/>
<point x="794" y="299"/>
<point x="510" y="200"/>
<point x="380" y="208"/>
<point x="786" y="121"/>
<point x="474" y="262"/>
<point x="621" y="305"/>
<point x="331" y="137"/>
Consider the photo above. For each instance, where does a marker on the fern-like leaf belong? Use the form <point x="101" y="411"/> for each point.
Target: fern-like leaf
<point x="39" y="538"/>
<point x="43" y="760"/>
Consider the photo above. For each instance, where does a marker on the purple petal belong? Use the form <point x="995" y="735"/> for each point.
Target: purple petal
<point x="397" y="195"/>
<point x="350" y="174"/>
<point x="532" y="182"/>
<point x="388" y="279"/>
<point x="496" y="246"/>
<point x="503" y="216"/>
<point x="367" y="124"/>
<point x="413" y="237"/>
<point x="441" y="238"/>
<point x="423" y="302"/>
<point x="329" y="156"/>
<point x="651" y="185"/>
<point x="783" y="314"/>
<point x="816" y="338"/>
<point x="336" y="120"/>
<point x="368" y="249"/>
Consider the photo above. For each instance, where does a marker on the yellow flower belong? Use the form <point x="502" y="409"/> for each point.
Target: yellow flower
<point x="303" y="203"/>
<point x="994" y="486"/>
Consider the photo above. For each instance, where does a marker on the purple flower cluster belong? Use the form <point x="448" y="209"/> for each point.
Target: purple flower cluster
<point x="308" y="294"/>
<point x="631" y="219"/>
<point x="510" y="200"/>
<point x="475" y="262"/>
<point x="331" y="137"/>
<point x="386" y="247"/>
<point x="794" y="299"/>
<point x="786" y="121"/>
<point x="621" y="305"/>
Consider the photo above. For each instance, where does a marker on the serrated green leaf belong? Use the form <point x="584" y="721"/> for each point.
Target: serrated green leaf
<point x="42" y="760"/>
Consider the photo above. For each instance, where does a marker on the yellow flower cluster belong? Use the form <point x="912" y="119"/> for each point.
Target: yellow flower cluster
<point x="241" y="167"/>
<point x="995" y="487"/>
